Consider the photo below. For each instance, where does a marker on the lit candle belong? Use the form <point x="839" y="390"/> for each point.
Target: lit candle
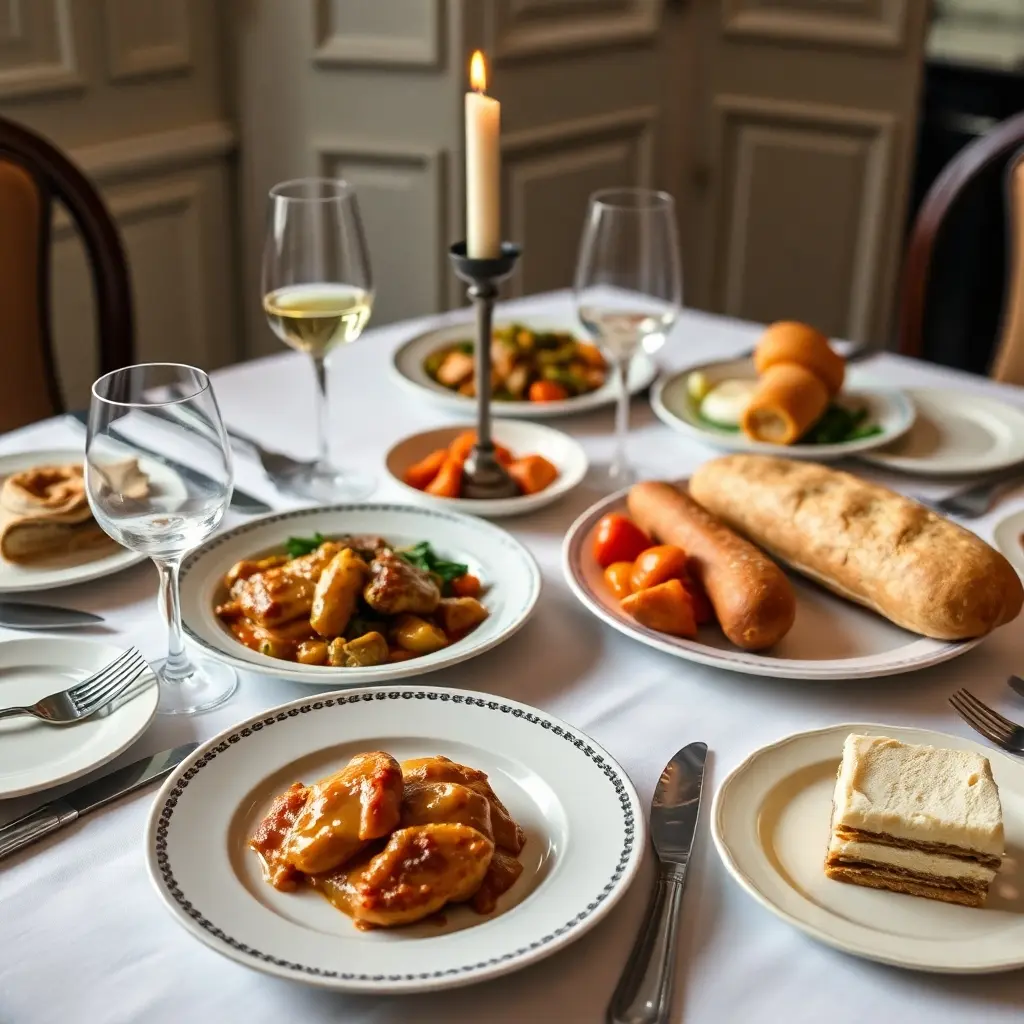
<point x="483" y="165"/>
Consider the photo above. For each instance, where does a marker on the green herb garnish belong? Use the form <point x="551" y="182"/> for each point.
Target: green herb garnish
<point x="299" y="546"/>
<point x="839" y="425"/>
<point x="423" y="557"/>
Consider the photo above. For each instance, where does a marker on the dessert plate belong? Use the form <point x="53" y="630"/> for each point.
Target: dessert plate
<point x="64" y="569"/>
<point x="672" y="403"/>
<point x="584" y="825"/>
<point x="36" y="756"/>
<point x="831" y="639"/>
<point x="407" y="370"/>
<point x="956" y="432"/>
<point x="507" y="570"/>
<point x="770" y="823"/>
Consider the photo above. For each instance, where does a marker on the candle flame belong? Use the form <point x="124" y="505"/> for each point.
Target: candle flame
<point x="478" y="72"/>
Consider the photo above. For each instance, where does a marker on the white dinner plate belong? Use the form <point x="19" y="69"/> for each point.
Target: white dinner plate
<point x="890" y="409"/>
<point x="831" y="638"/>
<point x="564" y="452"/>
<point x="584" y="825"/>
<point x="956" y="432"/>
<point x="507" y="570"/>
<point x="59" y="570"/>
<point x="35" y="756"/>
<point x="770" y="822"/>
<point x="1009" y="538"/>
<point x="407" y="370"/>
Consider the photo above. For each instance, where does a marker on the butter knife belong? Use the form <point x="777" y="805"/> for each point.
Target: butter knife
<point x="55" y="815"/>
<point x="25" y="615"/>
<point x="644" y="993"/>
<point x="241" y="501"/>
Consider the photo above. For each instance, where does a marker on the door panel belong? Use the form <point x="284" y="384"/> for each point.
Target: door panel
<point x="795" y="198"/>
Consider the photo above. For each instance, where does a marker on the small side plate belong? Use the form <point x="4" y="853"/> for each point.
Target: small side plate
<point x="892" y="410"/>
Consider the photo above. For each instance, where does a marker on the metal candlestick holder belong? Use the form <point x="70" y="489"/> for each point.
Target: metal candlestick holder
<point x="483" y="475"/>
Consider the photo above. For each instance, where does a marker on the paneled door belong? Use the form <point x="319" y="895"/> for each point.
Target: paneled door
<point x="805" y="132"/>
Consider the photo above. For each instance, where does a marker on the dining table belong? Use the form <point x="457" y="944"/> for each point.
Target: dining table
<point x="85" y="940"/>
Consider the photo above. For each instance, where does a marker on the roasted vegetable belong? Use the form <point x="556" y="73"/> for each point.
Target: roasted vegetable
<point x="658" y="564"/>
<point x="412" y="633"/>
<point x="460" y="614"/>
<point x="666" y="608"/>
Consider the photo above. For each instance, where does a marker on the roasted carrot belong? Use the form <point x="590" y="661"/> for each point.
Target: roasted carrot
<point x="448" y="482"/>
<point x="533" y="473"/>
<point x="462" y="445"/>
<point x="666" y="608"/>
<point x="591" y="355"/>
<point x="658" y="564"/>
<point x="466" y="586"/>
<point x="617" y="576"/>
<point x="547" y="391"/>
<point x="420" y="474"/>
<point x="503" y="455"/>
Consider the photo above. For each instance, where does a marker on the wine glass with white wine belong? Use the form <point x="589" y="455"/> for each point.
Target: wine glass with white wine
<point x="318" y="294"/>
<point x="628" y="289"/>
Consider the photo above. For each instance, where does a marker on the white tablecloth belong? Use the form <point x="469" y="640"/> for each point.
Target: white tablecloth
<point x="84" y="940"/>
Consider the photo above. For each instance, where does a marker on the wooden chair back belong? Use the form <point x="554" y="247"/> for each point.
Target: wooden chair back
<point x="1008" y="365"/>
<point x="33" y="175"/>
<point x="981" y="158"/>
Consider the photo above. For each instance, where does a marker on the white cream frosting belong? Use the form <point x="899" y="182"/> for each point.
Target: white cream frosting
<point x="912" y="860"/>
<point x="923" y="794"/>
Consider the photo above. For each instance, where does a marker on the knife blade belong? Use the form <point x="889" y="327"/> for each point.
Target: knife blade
<point x="241" y="501"/>
<point x="25" y="615"/>
<point x="644" y="992"/>
<point x="52" y="816"/>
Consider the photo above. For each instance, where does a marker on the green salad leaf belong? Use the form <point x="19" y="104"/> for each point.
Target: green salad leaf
<point x="298" y="546"/>
<point x="840" y="424"/>
<point x="422" y="555"/>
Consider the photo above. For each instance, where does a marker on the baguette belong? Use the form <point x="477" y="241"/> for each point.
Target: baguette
<point x="866" y="543"/>
<point x="753" y="601"/>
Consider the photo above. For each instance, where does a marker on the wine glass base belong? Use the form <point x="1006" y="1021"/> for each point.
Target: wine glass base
<point x="209" y="684"/>
<point x="613" y="477"/>
<point x="330" y="485"/>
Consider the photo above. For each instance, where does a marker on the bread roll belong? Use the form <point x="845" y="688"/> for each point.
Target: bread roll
<point x="788" y="342"/>
<point x="788" y="401"/>
<point x="753" y="601"/>
<point x="866" y="543"/>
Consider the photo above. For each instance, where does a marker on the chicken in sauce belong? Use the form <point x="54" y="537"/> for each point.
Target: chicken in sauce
<point x="351" y="602"/>
<point x="391" y="844"/>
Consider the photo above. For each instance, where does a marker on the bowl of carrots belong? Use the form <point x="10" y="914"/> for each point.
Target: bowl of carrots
<point x="544" y="463"/>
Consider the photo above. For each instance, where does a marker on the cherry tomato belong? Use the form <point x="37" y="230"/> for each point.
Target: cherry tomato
<point x="618" y="539"/>
<point x="547" y="391"/>
<point x="617" y="577"/>
<point x="657" y="565"/>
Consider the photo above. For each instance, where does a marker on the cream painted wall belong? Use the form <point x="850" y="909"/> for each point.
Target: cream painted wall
<point x="135" y="91"/>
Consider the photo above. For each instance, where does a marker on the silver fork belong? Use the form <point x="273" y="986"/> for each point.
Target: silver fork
<point x="88" y="696"/>
<point x="992" y="725"/>
<point x="974" y="501"/>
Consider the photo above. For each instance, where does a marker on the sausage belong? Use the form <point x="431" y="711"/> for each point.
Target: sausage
<point x="753" y="600"/>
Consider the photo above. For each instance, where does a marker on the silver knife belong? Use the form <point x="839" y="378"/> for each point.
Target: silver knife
<point x="55" y="815"/>
<point x="24" y="615"/>
<point x="241" y="501"/>
<point x="644" y="993"/>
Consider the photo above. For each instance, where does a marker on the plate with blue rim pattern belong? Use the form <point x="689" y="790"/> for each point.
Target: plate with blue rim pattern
<point x="510" y="577"/>
<point x="584" y="826"/>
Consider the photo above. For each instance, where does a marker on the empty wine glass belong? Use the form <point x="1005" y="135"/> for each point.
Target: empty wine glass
<point x="162" y="505"/>
<point x="628" y="289"/>
<point x="317" y="294"/>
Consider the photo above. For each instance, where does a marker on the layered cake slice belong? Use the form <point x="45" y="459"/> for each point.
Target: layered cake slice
<point x="916" y="820"/>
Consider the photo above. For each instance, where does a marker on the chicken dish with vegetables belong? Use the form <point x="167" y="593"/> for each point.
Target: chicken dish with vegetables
<point x="527" y="366"/>
<point x="390" y="844"/>
<point x="351" y="602"/>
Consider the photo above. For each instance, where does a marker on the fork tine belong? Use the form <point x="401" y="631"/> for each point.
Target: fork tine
<point x="114" y="690"/>
<point x="976" y="724"/>
<point x="980" y="713"/>
<point x="82" y="690"/>
<point x="983" y="710"/>
<point x="994" y="733"/>
<point x="112" y="680"/>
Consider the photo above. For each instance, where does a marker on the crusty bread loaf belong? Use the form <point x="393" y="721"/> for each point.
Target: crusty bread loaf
<point x="865" y="542"/>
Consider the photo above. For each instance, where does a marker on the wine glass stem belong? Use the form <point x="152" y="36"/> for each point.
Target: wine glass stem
<point x="177" y="668"/>
<point x="322" y="420"/>
<point x="620" y="458"/>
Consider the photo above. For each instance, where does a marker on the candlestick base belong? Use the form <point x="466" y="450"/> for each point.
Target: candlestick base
<point x="483" y="476"/>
